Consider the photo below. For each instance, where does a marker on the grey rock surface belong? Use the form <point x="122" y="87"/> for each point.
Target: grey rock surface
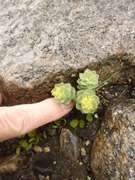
<point x="70" y="144"/>
<point x="113" y="151"/>
<point x="44" y="42"/>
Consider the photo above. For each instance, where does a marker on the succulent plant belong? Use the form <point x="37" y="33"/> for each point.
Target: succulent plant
<point x="63" y="93"/>
<point x="87" y="101"/>
<point x="88" y="80"/>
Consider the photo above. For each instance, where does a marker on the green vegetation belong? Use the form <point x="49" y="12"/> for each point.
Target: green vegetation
<point x="87" y="101"/>
<point x="27" y="141"/>
<point x="74" y="123"/>
<point x="129" y="80"/>
<point x="59" y="124"/>
<point x="88" y="80"/>
<point x="85" y="97"/>
<point x="63" y="93"/>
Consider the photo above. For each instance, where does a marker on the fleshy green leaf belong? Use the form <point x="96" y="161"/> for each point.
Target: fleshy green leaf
<point x="87" y="101"/>
<point x="67" y="101"/>
<point x="64" y="121"/>
<point x="55" y="127"/>
<point x="57" y="122"/>
<point x="72" y="93"/>
<point x="18" y="150"/>
<point x="32" y="133"/>
<point x="90" y="92"/>
<point x="31" y="139"/>
<point x="24" y="143"/>
<point x="22" y="136"/>
<point x="63" y="93"/>
<point x="80" y="92"/>
<point x="28" y="147"/>
<point x="78" y="106"/>
<point x="20" y="141"/>
<point x="81" y="124"/>
<point x="79" y="98"/>
<point x="89" y="117"/>
<point x="74" y="123"/>
<point x="36" y="140"/>
<point x="88" y="79"/>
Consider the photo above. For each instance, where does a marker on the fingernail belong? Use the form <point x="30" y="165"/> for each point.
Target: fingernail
<point x="68" y="106"/>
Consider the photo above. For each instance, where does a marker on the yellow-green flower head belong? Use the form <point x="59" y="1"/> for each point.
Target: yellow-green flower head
<point x="87" y="101"/>
<point x="58" y="92"/>
<point x="88" y="79"/>
<point x="63" y="93"/>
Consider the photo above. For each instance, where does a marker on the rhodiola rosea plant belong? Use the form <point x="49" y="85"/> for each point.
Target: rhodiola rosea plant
<point x="85" y="97"/>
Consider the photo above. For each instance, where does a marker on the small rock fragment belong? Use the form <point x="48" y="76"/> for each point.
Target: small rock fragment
<point x="38" y="149"/>
<point x="11" y="164"/>
<point x="83" y="151"/>
<point x="41" y="177"/>
<point x="43" y="167"/>
<point x="87" y="142"/>
<point x="80" y="163"/>
<point x="70" y="144"/>
<point x="47" y="149"/>
<point x="47" y="177"/>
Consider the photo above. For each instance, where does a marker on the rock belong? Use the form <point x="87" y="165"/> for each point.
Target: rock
<point x="43" y="42"/>
<point x="38" y="149"/>
<point x="87" y="142"/>
<point x="43" y="168"/>
<point x="11" y="164"/>
<point x="41" y="177"/>
<point x="83" y="151"/>
<point x="47" y="149"/>
<point x="113" y="152"/>
<point x="70" y="144"/>
<point x="47" y="177"/>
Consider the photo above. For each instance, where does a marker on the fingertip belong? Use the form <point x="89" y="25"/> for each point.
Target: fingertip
<point x="0" y="99"/>
<point x="20" y="119"/>
<point x="53" y="110"/>
<point x="68" y="106"/>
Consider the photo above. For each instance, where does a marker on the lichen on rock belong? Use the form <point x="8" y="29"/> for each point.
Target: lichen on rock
<point x="112" y="154"/>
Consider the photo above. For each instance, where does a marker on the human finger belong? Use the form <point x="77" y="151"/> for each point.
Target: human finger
<point x="20" y="119"/>
<point x="0" y="99"/>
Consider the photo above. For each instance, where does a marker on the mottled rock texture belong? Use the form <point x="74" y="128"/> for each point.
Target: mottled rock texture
<point x="70" y="144"/>
<point x="12" y="163"/>
<point x="113" y="151"/>
<point x="43" y="42"/>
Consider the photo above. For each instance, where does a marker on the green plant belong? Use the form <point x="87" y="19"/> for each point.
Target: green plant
<point x="87" y="101"/>
<point x="58" y="124"/>
<point x="63" y="93"/>
<point x="88" y="80"/>
<point x="129" y="80"/>
<point x="74" y="123"/>
<point x="85" y="98"/>
<point x="26" y="141"/>
<point x="89" y="117"/>
<point x="126" y="85"/>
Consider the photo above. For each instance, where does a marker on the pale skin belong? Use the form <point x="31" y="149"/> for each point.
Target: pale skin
<point x="21" y="119"/>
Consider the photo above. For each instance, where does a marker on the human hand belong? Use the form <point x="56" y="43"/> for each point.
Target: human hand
<point x="21" y="119"/>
